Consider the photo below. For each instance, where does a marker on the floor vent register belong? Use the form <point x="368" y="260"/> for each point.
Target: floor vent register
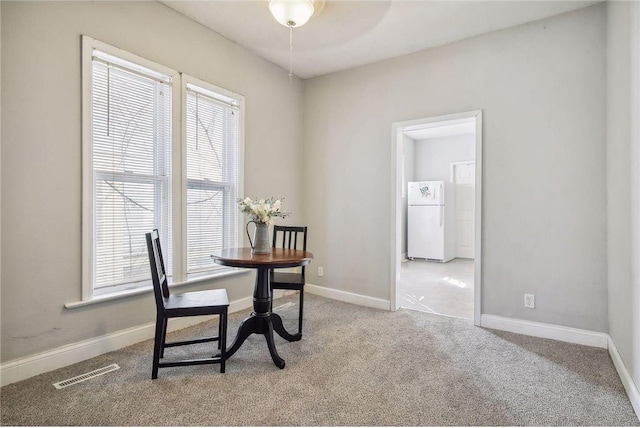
<point x="86" y="376"/>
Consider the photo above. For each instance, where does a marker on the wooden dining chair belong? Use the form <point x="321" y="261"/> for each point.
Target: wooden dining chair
<point x="292" y="237"/>
<point x="195" y="303"/>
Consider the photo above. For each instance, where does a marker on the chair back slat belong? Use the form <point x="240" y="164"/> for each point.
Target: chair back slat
<point x="158" y="272"/>
<point x="290" y="237"/>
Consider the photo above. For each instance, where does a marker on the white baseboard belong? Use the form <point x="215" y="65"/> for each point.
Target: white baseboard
<point x="345" y="296"/>
<point x="547" y="331"/>
<point x="24" y="368"/>
<point x="629" y="385"/>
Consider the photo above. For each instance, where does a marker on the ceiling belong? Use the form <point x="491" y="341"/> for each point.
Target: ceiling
<point x="345" y="34"/>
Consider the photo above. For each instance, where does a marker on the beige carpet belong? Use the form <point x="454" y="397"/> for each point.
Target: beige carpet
<point x="354" y="366"/>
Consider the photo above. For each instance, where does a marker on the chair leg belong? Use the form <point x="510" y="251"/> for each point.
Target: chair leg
<point x="157" y="345"/>
<point x="301" y="310"/>
<point x="222" y="341"/>
<point x="220" y="333"/>
<point x="164" y="336"/>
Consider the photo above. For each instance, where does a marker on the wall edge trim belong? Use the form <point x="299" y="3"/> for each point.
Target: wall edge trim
<point x="546" y="331"/>
<point x="348" y="297"/>
<point x="633" y="392"/>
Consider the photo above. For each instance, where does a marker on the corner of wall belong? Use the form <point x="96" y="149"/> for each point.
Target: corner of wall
<point x="623" y="191"/>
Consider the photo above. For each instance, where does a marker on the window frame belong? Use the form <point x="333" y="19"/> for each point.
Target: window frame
<point x="177" y="179"/>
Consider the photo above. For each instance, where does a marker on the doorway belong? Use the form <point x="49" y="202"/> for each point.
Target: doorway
<point x="455" y="278"/>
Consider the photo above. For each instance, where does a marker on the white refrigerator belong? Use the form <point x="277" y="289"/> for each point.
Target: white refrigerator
<point x="430" y="231"/>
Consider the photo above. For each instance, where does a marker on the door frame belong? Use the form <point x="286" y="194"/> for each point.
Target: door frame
<point x="397" y="129"/>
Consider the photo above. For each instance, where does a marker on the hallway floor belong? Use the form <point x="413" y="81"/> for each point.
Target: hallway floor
<point x="437" y="288"/>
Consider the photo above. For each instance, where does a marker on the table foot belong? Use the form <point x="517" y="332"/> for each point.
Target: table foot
<point x="272" y="346"/>
<point x="279" y="328"/>
<point x="246" y="329"/>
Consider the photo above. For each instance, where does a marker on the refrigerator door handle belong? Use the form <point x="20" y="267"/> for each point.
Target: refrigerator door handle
<point x="441" y="203"/>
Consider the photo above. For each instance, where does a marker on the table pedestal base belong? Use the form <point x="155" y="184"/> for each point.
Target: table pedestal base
<point x="262" y="321"/>
<point x="263" y="324"/>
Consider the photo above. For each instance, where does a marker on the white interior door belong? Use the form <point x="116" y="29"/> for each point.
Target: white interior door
<point x="464" y="174"/>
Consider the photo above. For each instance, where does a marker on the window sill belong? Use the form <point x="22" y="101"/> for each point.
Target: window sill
<point x="148" y="289"/>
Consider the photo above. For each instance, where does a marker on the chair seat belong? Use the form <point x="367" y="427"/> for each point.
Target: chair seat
<point x="286" y="278"/>
<point x="207" y="299"/>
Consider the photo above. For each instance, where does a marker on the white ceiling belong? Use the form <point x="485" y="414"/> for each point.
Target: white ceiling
<point x="346" y="34"/>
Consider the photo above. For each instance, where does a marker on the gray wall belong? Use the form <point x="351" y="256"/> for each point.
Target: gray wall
<point x="542" y="88"/>
<point x="0" y="152"/>
<point x="623" y="181"/>
<point x="434" y="156"/>
<point x="41" y="145"/>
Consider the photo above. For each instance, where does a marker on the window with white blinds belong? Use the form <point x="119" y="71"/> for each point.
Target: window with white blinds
<point x="137" y="117"/>
<point x="131" y="142"/>
<point x="211" y="122"/>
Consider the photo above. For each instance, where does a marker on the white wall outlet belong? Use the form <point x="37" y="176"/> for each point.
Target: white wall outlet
<point x="529" y="301"/>
<point x="320" y="271"/>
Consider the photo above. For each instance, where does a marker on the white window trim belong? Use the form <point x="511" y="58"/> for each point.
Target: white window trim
<point x="178" y="164"/>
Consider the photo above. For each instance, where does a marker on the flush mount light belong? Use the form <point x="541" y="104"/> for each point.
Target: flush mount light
<point x="291" y="13"/>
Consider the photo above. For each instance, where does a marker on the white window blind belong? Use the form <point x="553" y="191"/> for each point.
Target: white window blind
<point x="212" y="122"/>
<point x="131" y="144"/>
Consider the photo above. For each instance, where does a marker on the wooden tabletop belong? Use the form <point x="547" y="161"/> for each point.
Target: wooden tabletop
<point x="278" y="258"/>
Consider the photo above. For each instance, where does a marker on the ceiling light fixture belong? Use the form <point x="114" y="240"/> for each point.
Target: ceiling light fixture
<point x="291" y="13"/>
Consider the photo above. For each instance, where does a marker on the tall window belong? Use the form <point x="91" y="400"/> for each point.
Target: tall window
<point x="131" y="134"/>
<point x="212" y="174"/>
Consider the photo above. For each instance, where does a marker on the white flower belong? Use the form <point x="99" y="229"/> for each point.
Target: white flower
<point x="263" y="210"/>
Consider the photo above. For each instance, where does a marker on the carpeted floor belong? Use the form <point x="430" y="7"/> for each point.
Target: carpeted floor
<point x="354" y="366"/>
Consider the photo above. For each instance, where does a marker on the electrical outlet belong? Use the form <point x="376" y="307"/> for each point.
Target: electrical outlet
<point x="529" y="301"/>
<point x="320" y="271"/>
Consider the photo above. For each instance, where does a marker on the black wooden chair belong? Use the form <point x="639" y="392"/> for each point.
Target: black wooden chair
<point x="196" y="303"/>
<point x="287" y="237"/>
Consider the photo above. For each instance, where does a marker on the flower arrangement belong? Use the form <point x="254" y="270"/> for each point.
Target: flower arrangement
<point x="262" y="210"/>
